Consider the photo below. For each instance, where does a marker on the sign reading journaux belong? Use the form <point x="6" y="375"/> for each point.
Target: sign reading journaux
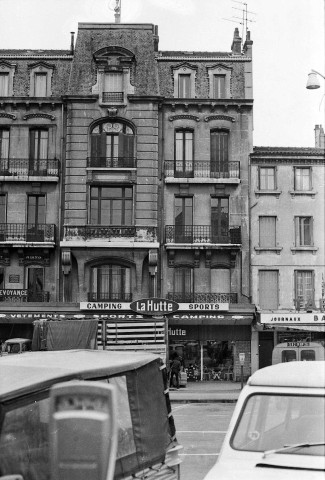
<point x="154" y="306"/>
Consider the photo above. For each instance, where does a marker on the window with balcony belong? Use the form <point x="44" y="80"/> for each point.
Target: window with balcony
<point x="304" y="289"/>
<point x="113" y="87"/>
<point x="267" y="178"/>
<point x="302" y="179"/>
<point x="112" y="146"/>
<point x="220" y="219"/>
<point x="4" y="149"/>
<point x="110" y="282"/>
<point x="4" y="84"/>
<point x="111" y="205"/>
<point x="183" y="219"/>
<point x="38" y="151"/>
<point x="3" y="217"/>
<point x="36" y="210"/>
<point x="184" y="153"/>
<point x="219" y="153"/>
<point x="267" y="232"/>
<point x="304" y="231"/>
<point x="268" y="286"/>
<point x="183" y="285"/>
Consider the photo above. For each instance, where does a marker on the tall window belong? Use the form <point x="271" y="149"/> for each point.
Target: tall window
<point x="3" y="209"/>
<point x="4" y="84"/>
<point x="112" y="145"/>
<point x="267" y="180"/>
<point x="40" y="85"/>
<point x="304" y="288"/>
<point x="38" y="150"/>
<point x="111" y="282"/>
<point x="111" y="205"/>
<point x="4" y="146"/>
<point x="219" y="141"/>
<point x="35" y="283"/>
<point x="184" y="85"/>
<point x="183" y="153"/>
<point x="267" y="231"/>
<point x="113" y="87"/>
<point x="184" y="284"/>
<point x="183" y="219"/>
<point x="268" y="284"/>
<point x="304" y="231"/>
<point x="220" y="219"/>
<point x="219" y="86"/>
<point x="302" y="178"/>
<point x="220" y="280"/>
<point x="35" y="210"/>
<point x="2" y="277"/>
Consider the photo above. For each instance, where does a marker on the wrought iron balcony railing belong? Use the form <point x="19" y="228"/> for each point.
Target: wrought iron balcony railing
<point x="201" y="169"/>
<point x="110" y="232"/>
<point x="112" y="97"/>
<point x="202" y="297"/>
<point x="15" y="167"/>
<point x="23" y="232"/>
<point x="23" y="296"/>
<point x="201" y="234"/>
<point x="109" y="297"/>
<point x="111" y="162"/>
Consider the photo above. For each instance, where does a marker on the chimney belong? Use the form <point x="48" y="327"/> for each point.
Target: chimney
<point x="72" y="43"/>
<point x="156" y="38"/>
<point x="236" y="43"/>
<point x="117" y="11"/>
<point x="319" y="137"/>
<point x="248" y="44"/>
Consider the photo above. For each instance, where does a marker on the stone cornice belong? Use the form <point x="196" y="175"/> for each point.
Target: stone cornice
<point x="8" y="115"/>
<point x="171" y="118"/>
<point x="39" y="115"/>
<point x="319" y="160"/>
<point x="187" y="58"/>
<point x="208" y="118"/>
<point x="39" y="57"/>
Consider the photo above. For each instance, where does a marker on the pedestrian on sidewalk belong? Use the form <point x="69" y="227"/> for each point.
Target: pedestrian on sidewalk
<point x="175" y="369"/>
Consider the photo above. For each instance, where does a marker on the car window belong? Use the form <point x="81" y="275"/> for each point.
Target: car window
<point x="272" y="421"/>
<point x="308" y="355"/>
<point x="289" y="356"/>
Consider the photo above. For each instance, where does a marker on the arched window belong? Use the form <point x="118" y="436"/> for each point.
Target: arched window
<point x="110" y="282"/>
<point x="112" y="145"/>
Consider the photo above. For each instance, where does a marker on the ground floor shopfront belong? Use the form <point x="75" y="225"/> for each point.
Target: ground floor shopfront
<point x="212" y="343"/>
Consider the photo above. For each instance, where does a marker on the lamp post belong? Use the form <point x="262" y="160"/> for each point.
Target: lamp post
<point x="313" y="82"/>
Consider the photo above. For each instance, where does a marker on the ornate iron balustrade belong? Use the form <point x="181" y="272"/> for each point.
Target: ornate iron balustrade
<point x="23" y="232"/>
<point x="112" y="97"/>
<point x="109" y="297"/>
<point x="15" y="167"/>
<point x="111" y="162"/>
<point x="23" y="296"/>
<point x="202" y="297"/>
<point x="109" y="233"/>
<point x="201" y="234"/>
<point x="201" y="169"/>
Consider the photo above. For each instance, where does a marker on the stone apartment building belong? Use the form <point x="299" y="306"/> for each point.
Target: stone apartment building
<point x="125" y="175"/>
<point x="287" y="246"/>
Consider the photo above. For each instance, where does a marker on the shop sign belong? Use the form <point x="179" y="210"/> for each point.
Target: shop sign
<point x="292" y="318"/>
<point x="8" y="292"/>
<point x="203" y="306"/>
<point x="104" y="306"/>
<point x="154" y="306"/>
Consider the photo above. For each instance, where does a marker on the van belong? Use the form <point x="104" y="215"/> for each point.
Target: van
<point x="16" y="345"/>
<point x="278" y="426"/>
<point x="298" y="351"/>
<point x="146" y="443"/>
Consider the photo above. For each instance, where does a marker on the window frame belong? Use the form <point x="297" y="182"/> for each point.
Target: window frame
<point x="261" y="238"/>
<point x="97" y="284"/>
<point x="274" y="177"/>
<point x="220" y="70"/>
<point x="299" y="234"/>
<point x="41" y="68"/>
<point x="100" y="199"/>
<point x="184" y="70"/>
<point x="7" y="68"/>
<point x="295" y="178"/>
<point x="183" y="166"/>
<point x="4" y="143"/>
<point x="297" y="287"/>
<point x="277" y="299"/>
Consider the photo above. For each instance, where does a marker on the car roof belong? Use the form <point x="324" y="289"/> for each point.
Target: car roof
<point x="24" y="374"/>
<point x="291" y="374"/>
<point x="18" y="340"/>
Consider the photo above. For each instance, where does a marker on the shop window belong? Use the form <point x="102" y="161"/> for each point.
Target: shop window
<point x="302" y="179"/>
<point x="267" y="232"/>
<point x="110" y="205"/>
<point x="268" y="284"/>
<point x="219" y="153"/>
<point x="220" y="219"/>
<point x="267" y="178"/>
<point x="183" y="285"/>
<point x="112" y="145"/>
<point x="184" y="141"/>
<point x="183" y="219"/>
<point x="304" y="231"/>
<point x="220" y="280"/>
<point x="304" y="289"/>
<point x="41" y="79"/>
<point x="184" y="81"/>
<point x="110" y="282"/>
<point x="219" y="82"/>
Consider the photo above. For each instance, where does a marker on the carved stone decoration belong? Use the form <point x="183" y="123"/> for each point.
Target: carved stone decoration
<point x="171" y="258"/>
<point x="4" y="257"/>
<point x="112" y="112"/>
<point x="34" y="257"/>
<point x="208" y="255"/>
<point x="172" y="118"/>
<point x="219" y="117"/>
<point x="39" y="115"/>
<point x="8" y="115"/>
<point x="66" y="261"/>
<point x="196" y="258"/>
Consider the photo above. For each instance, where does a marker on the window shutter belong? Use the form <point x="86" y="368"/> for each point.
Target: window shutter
<point x="32" y="139"/>
<point x="126" y="147"/>
<point x="268" y="289"/>
<point x="98" y="146"/>
<point x="267" y="232"/>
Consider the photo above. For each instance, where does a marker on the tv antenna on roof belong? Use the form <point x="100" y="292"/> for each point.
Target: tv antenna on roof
<point x="244" y="19"/>
<point x="117" y="9"/>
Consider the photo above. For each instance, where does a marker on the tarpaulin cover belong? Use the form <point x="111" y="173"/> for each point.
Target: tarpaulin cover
<point x="64" y="335"/>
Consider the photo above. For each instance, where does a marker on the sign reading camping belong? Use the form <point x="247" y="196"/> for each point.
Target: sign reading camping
<point x="154" y="306"/>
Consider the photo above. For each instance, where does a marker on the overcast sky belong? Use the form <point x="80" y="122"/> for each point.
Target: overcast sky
<point x="288" y="38"/>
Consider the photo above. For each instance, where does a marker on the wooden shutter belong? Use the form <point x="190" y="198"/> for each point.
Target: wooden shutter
<point x="267" y="232"/>
<point x="98" y="148"/>
<point x="126" y="148"/>
<point x="269" y="289"/>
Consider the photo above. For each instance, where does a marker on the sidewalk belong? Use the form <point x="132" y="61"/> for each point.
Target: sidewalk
<point x="209" y="391"/>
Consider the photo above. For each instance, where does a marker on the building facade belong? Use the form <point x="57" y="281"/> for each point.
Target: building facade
<point x="287" y="246"/>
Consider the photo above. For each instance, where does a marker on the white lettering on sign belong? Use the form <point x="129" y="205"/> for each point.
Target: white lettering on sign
<point x="203" y="306"/>
<point x="148" y="306"/>
<point x="13" y="293"/>
<point x="176" y="331"/>
<point x="104" y="306"/>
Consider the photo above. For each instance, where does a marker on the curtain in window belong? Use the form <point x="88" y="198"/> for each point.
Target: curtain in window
<point x="113" y="82"/>
<point x="267" y="232"/>
<point x="184" y="152"/>
<point x="183" y="283"/>
<point x="4" y="84"/>
<point x="40" y="80"/>
<point x="268" y="283"/>
<point x="304" y="231"/>
<point x="4" y="144"/>
<point x="219" y="86"/>
<point x="220" y="280"/>
<point x="267" y="178"/>
<point x="111" y="282"/>
<point x="302" y="179"/>
<point x="304" y="281"/>
<point x="219" y="152"/>
<point x="184" y="86"/>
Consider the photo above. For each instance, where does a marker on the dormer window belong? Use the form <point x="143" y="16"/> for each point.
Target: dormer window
<point x="219" y="82"/>
<point x="40" y="89"/>
<point x="219" y="86"/>
<point x="4" y="84"/>
<point x="7" y="71"/>
<point x="184" y="81"/>
<point x="113" y="87"/>
<point x="40" y="80"/>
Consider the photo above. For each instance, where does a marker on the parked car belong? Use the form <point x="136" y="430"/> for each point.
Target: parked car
<point x="277" y="429"/>
<point x="301" y="350"/>
<point x="146" y="443"/>
<point x="17" y="345"/>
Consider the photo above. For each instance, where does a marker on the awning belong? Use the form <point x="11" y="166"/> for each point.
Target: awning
<point x="231" y="319"/>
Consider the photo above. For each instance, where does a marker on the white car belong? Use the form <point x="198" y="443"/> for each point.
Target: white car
<point x="277" y="430"/>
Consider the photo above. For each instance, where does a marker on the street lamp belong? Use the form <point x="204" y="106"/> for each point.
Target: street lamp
<point x="313" y="81"/>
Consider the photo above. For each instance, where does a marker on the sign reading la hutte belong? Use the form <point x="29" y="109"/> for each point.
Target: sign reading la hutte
<point x="154" y="306"/>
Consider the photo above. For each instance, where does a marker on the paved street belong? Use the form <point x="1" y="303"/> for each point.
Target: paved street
<point x="201" y="428"/>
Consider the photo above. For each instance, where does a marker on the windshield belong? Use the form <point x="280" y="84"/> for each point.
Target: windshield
<point x="270" y="422"/>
